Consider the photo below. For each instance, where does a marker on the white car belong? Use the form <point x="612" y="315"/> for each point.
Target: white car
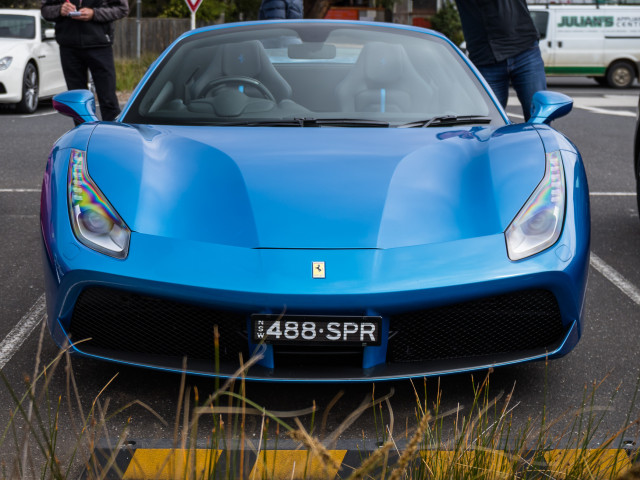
<point x="29" y="59"/>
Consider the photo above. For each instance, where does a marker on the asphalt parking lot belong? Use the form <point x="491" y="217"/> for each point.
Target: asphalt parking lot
<point x="601" y="125"/>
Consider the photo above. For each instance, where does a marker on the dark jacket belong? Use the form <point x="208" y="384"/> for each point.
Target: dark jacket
<point x="496" y="29"/>
<point x="274" y="9"/>
<point x="75" y="33"/>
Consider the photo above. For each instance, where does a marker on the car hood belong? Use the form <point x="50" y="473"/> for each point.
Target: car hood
<point x="277" y="187"/>
<point x="13" y="46"/>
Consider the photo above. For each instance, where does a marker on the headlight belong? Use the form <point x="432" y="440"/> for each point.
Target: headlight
<point x="539" y="223"/>
<point x="5" y="62"/>
<point x="95" y="222"/>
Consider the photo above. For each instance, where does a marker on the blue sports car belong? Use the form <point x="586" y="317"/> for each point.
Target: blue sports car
<point x="346" y="200"/>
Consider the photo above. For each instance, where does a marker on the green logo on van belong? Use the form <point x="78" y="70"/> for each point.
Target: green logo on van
<point x="587" y="21"/>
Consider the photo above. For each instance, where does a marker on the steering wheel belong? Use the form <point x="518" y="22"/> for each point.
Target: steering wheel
<point x="238" y="80"/>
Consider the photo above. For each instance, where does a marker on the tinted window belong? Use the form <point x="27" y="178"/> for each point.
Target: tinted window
<point x="540" y="19"/>
<point x="17" y="26"/>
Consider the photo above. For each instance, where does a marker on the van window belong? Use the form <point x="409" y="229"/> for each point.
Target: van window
<point x="540" y="19"/>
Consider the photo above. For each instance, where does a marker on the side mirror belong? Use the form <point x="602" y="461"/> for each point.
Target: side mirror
<point x="49" y="34"/>
<point x="547" y="106"/>
<point x="77" y="104"/>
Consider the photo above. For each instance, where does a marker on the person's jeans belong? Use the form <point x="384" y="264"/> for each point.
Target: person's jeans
<point x="525" y="71"/>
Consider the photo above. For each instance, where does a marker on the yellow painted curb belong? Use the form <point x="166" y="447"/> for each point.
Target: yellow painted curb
<point x="170" y="464"/>
<point x="167" y="464"/>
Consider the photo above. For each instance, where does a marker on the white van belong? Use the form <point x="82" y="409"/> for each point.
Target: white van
<point x="599" y="41"/>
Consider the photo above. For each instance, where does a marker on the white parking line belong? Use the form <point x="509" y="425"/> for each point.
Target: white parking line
<point x="614" y="277"/>
<point x="19" y="190"/>
<point x="608" y="101"/>
<point x="18" y="334"/>
<point x="604" y="111"/>
<point x="32" y="115"/>
<point x="612" y="194"/>
<point x="596" y="103"/>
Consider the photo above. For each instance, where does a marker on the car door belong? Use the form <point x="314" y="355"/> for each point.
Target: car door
<point x="51" y="77"/>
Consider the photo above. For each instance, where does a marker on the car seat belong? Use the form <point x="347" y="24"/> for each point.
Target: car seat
<point x="383" y="80"/>
<point x="246" y="59"/>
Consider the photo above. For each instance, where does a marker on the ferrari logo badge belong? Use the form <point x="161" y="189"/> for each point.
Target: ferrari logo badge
<point x="318" y="270"/>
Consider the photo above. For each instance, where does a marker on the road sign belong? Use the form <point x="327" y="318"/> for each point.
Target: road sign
<point x="193" y="5"/>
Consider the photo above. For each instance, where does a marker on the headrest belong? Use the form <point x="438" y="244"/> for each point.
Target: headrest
<point x="382" y="63"/>
<point x="243" y="59"/>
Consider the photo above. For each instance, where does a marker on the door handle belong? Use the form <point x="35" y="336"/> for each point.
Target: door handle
<point x="559" y="44"/>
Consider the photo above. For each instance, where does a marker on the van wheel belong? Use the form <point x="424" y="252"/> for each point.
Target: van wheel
<point x="620" y="75"/>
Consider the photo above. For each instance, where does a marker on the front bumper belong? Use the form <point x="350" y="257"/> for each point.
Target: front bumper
<point x="11" y="84"/>
<point x="389" y="283"/>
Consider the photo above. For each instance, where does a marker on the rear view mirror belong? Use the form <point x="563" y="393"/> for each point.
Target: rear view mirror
<point x="77" y="104"/>
<point x="547" y="106"/>
<point x="312" y="51"/>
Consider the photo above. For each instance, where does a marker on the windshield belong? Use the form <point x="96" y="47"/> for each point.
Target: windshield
<point x="299" y="73"/>
<point x="17" y="26"/>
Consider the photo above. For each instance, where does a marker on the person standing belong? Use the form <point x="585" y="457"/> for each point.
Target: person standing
<point x="84" y="31"/>
<point x="280" y="9"/>
<point x="502" y="42"/>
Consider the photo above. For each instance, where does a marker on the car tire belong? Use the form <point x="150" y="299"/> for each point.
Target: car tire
<point x="621" y="75"/>
<point x="638" y="182"/>
<point x="30" y="83"/>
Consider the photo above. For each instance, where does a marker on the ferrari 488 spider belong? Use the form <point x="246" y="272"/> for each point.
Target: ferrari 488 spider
<point x="346" y="200"/>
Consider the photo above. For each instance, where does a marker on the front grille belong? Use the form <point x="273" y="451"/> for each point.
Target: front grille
<point x="517" y="322"/>
<point x="324" y="356"/>
<point x="127" y="322"/>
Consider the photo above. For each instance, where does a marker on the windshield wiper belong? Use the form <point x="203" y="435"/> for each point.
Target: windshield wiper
<point x="307" y="122"/>
<point x="341" y="122"/>
<point x="445" y="120"/>
<point x="259" y="123"/>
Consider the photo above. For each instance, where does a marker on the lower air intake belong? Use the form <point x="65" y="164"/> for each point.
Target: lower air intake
<point x="516" y="322"/>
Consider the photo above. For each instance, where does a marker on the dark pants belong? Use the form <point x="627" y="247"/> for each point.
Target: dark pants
<point x="525" y="71"/>
<point x="77" y="62"/>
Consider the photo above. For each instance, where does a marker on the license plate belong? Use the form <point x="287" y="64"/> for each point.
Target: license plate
<point x="317" y="330"/>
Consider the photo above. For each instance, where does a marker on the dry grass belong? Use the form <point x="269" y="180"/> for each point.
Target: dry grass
<point x="478" y="442"/>
<point x="129" y="71"/>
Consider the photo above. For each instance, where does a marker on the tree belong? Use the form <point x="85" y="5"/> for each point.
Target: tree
<point x="316" y="8"/>
<point x="447" y="22"/>
<point x="20" y="4"/>
<point x="150" y="8"/>
<point x="243" y="10"/>
<point x="210" y="10"/>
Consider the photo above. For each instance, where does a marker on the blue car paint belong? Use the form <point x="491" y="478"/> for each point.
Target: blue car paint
<point x="408" y="187"/>
<point x="547" y="106"/>
<point x="78" y="104"/>
<point x="259" y="280"/>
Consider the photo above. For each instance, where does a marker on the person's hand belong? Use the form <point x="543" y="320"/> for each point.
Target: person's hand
<point x="86" y="14"/>
<point x="67" y="8"/>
